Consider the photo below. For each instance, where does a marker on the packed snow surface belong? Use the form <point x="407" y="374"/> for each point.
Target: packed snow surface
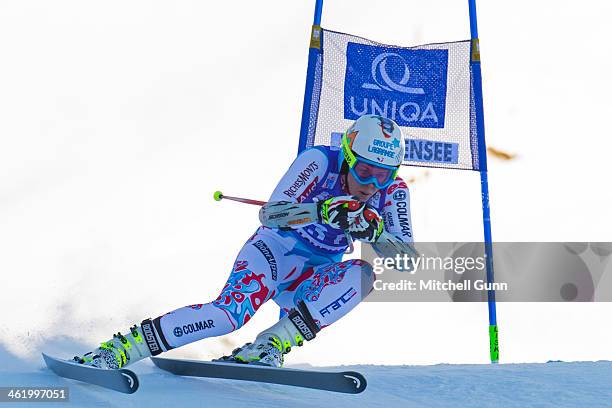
<point x="555" y="384"/>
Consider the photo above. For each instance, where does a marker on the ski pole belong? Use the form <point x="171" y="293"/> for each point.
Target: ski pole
<point x="218" y="196"/>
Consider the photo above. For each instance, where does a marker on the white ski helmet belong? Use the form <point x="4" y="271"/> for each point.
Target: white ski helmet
<point x="372" y="145"/>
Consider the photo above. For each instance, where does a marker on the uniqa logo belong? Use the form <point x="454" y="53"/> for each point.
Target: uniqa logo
<point x="379" y="70"/>
<point x="407" y="86"/>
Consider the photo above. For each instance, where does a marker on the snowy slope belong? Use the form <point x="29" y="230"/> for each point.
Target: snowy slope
<point x="585" y="384"/>
<point x="114" y="130"/>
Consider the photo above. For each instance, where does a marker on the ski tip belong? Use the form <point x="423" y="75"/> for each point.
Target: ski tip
<point x="358" y="381"/>
<point x="126" y="383"/>
<point x="132" y="380"/>
<point x="52" y="362"/>
<point x="47" y="359"/>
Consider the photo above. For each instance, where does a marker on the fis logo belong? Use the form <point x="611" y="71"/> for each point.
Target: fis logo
<point x="406" y="85"/>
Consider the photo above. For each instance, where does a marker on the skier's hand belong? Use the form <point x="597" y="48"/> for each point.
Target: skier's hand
<point x="347" y="213"/>
<point x="389" y="246"/>
<point x="366" y="226"/>
<point x="337" y="211"/>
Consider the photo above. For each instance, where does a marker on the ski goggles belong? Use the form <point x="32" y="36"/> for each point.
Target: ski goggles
<point x="366" y="171"/>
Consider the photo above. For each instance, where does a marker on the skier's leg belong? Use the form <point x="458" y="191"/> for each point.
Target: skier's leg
<point x="249" y="286"/>
<point x="317" y="297"/>
<point x="252" y="282"/>
<point x="331" y="291"/>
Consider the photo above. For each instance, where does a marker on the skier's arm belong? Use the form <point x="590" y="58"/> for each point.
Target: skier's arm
<point x="285" y="214"/>
<point x="305" y="173"/>
<point x="286" y="208"/>
<point x="396" y="212"/>
<point x="335" y="212"/>
<point x="397" y="237"/>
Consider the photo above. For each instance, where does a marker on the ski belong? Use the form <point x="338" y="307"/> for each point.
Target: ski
<point x="349" y="382"/>
<point x="118" y="380"/>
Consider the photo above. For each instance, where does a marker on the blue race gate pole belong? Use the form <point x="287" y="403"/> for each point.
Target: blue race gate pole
<point x="314" y="52"/>
<point x="484" y="182"/>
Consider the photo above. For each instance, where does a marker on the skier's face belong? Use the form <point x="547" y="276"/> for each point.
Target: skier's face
<point x="363" y="192"/>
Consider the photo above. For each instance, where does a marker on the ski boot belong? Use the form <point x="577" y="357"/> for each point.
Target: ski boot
<point x="272" y="344"/>
<point x="121" y="351"/>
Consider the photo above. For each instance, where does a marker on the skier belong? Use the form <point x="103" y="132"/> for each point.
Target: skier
<point x="326" y="199"/>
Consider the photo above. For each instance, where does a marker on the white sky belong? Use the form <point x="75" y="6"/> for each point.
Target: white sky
<point x="118" y="120"/>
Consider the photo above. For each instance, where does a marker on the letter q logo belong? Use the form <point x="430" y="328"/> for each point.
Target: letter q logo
<point x="381" y="77"/>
